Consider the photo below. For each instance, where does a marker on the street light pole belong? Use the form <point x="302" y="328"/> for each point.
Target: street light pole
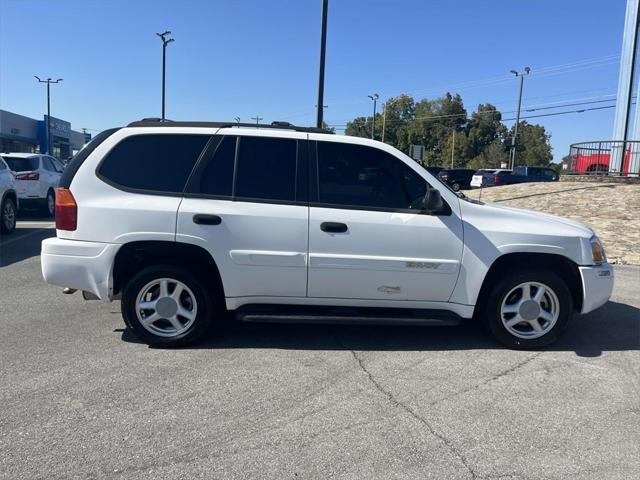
<point x="165" y="41"/>
<point x="48" y="81"/>
<point x="323" y="49"/>
<point x="375" y="98"/>
<point x="515" y="130"/>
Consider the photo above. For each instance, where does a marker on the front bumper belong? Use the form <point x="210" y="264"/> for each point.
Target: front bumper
<point x="597" y="286"/>
<point x="81" y="265"/>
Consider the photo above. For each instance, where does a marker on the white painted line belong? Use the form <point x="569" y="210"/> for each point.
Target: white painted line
<point x="20" y="223"/>
<point x="20" y="237"/>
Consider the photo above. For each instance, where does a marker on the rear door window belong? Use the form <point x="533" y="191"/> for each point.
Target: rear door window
<point x="266" y="169"/>
<point x="48" y="164"/>
<point x="216" y="178"/>
<point x="153" y="162"/>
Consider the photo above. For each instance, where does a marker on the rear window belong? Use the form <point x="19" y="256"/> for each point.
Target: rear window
<point x="155" y="162"/>
<point x="21" y="164"/>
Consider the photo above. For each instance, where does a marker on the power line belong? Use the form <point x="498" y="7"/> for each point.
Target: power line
<point x="493" y="112"/>
<point x="582" y="110"/>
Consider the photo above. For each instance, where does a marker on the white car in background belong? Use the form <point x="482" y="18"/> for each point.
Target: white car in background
<point x="36" y="179"/>
<point x="8" y="199"/>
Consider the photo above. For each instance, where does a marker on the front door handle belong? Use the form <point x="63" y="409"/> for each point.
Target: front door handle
<point x="333" y="227"/>
<point x="203" y="219"/>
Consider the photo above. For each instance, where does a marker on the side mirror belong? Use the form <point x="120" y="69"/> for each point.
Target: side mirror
<point x="432" y="202"/>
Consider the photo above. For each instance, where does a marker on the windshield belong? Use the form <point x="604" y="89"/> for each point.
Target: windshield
<point x="21" y="164"/>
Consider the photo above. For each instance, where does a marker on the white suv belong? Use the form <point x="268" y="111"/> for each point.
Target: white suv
<point x="36" y="179"/>
<point x="186" y="220"/>
<point x="8" y="199"/>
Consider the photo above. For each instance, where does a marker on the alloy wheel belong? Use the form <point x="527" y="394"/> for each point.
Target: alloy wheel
<point x="166" y="307"/>
<point x="530" y="310"/>
<point x="8" y="216"/>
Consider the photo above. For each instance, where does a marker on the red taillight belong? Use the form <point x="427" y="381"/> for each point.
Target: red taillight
<point x="496" y="180"/>
<point x="28" y="176"/>
<point x="66" y="210"/>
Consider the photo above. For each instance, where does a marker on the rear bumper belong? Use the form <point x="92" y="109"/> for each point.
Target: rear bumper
<point x="597" y="286"/>
<point x="81" y="265"/>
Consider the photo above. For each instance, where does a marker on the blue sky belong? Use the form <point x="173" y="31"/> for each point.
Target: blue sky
<point x="251" y="57"/>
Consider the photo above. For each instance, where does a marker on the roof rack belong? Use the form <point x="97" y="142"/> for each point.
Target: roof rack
<point x="158" y="122"/>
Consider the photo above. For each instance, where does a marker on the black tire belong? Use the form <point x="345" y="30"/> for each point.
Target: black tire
<point x="492" y="315"/>
<point x="49" y="206"/>
<point x="8" y="215"/>
<point x="455" y="186"/>
<point x="208" y="306"/>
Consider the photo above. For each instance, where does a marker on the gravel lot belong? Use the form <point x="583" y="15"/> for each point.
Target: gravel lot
<point x="612" y="210"/>
<point x="81" y="398"/>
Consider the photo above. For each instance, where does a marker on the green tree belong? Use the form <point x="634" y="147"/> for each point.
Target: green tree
<point x="484" y="127"/>
<point x="361" y="127"/>
<point x="399" y="113"/>
<point x="491" y="157"/>
<point x="460" y="152"/>
<point x="532" y="145"/>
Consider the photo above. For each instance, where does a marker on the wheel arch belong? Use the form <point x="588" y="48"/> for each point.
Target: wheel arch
<point x="564" y="267"/>
<point x="134" y="256"/>
<point x="12" y="195"/>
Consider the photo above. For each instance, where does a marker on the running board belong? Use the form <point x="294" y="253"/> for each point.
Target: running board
<point x="364" y="315"/>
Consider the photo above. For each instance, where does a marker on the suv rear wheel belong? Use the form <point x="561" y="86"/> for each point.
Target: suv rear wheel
<point x="528" y="309"/>
<point x="167" y="306"/>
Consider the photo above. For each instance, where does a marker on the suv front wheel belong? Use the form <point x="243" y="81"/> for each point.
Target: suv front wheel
<point x="7" y="215"/>
<point x="529" y="309"/>
<point x="167" y="306"/>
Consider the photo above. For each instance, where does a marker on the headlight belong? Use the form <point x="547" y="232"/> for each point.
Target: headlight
<point x="597" y="251"/>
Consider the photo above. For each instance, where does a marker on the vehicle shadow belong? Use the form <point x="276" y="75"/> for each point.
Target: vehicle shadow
<point x="614" y="327"/>
<point x="23" y="243"/>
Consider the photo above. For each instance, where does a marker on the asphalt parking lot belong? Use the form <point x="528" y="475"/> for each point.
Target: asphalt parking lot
<point x="81" y="398"/>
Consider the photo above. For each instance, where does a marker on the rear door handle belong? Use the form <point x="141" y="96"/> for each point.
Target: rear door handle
<point x="203" y="219"/>
<point x="333" y="227"/>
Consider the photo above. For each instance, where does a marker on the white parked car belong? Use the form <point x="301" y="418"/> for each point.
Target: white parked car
<point x="36" y="179"/>
<point x="490" y="177"/>
<point x="8" y="199"/>
<point x="184" y="221"/>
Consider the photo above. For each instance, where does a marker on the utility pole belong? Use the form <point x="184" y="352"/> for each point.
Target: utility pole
<point x="323" y="49"/>
<point x="48" y="81"/>
<point x="515" y="130"/>
<point x="453" y="148"/>
<point x="257" y="118"/>
<point x="384" y="118"/>
<point x="375" y="98"/>
<point x="165" y="41"/>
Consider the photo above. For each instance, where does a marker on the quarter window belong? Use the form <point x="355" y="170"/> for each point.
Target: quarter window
<point x="156" y="162"/>
<point x="360" y="176"/>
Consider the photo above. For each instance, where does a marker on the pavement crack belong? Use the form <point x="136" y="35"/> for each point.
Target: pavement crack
<point x="491" y="379"/>
<point x="397" y="403"/>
